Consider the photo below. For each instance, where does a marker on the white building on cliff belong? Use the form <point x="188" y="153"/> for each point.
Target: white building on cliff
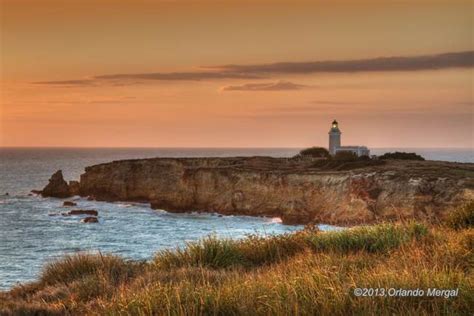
<point x="335" y="143"/>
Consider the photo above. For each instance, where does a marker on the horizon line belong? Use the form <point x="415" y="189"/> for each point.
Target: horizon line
<point x="205" y="147"/>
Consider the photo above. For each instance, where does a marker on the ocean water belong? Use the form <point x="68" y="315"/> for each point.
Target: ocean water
<point x="30" y="236"/>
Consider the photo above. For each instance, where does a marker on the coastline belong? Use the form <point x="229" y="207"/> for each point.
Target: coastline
<point x="216" y="275"/>
<point x="299" y="191"/>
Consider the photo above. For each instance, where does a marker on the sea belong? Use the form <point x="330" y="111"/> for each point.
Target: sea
<point x="30" y="237"/>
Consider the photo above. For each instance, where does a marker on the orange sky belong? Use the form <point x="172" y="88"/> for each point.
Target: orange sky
<point x="53" y="54"/>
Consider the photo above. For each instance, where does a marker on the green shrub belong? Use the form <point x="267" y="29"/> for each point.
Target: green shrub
<point x="401" y="156"/>
<point x="462" y="217"/>
<point x="316" y="152"/>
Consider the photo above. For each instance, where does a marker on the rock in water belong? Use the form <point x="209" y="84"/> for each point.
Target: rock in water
<point x="69" y="203"/>
<point x="90" y="219"/>
<point x="57" y="187"/>
<point x="83" y="212"/>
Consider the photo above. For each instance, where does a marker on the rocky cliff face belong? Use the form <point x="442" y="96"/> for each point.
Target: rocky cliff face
<point x="296" y="191"/>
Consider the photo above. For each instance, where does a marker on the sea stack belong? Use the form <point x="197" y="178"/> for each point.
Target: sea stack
<point x="57" y="187"/>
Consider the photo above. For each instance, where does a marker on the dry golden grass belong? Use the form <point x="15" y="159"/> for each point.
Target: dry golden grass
<point x="304" y="273"/>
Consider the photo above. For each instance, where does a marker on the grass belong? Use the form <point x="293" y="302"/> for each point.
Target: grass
<point x="462" y="217"/>
<point x="307" y="273"/>
<point x="70" y="268"/>
<point x="256" y="250"/>
<point x="402" y="156"/>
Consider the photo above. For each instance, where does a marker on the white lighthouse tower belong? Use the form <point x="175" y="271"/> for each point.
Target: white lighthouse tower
<point x="334" y="138"/>
<point x="335" y="143"/>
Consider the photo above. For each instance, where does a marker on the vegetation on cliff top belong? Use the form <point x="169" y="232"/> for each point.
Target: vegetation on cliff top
<point x="401" y="156"/>
<point x="315" y="152"/>
<point x="343" y="160"/>
<point x="308" y="272"/>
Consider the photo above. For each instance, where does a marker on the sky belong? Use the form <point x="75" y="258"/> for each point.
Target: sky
<point x="137" y="73"/>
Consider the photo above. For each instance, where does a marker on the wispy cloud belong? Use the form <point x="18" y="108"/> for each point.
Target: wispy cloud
<point x="77" y="82"/>
<point x="267" y="86"/>
<point x="203" y="75"/>
<point x="399" y="63"/>
<point x="332" y="102"/>
<point x="129" y="79"/>
<point x="118" y="100"/>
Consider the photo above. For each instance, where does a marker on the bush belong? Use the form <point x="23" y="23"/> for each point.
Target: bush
<point x="316" y="152"/>
<point x="462" y="217"/>
<point x="401" y="156"/>
<point x="345" y="156"/>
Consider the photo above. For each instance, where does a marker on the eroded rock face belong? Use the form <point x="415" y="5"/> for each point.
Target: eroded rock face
<point x="298" y="192"/>
<point x="74" y="187"/>
<point x="56" y="187"/>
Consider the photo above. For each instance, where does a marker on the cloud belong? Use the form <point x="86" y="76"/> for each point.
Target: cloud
<point x="330" y="102"/>
<point x="268" y="86"/>
<point x="182" y="76"/>
<point x="119" y="100"/>
<point x="132" y="79"/>
<point x="400" y="63"/>
<point x="261" y="71"/>
<point x="80" y="82"/>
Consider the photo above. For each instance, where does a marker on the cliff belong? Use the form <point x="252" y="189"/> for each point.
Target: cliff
<point x="298" y="191"/>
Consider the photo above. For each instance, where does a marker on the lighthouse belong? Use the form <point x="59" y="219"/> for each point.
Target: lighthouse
<point x="334" y="138"/>
<point x="335" y="143"/>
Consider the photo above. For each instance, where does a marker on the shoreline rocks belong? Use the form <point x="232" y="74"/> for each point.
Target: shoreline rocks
<point x="90" y="219"/>
<point x="69" y="203"/>
<point x="83" y="212"/>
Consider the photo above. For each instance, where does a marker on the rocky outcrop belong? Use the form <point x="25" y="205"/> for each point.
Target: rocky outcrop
<point x="90" y="219"/>
<point x="69" y="203"/>
<point x="56" y="187"/>
<point x="74" y="187"/>
<point x="297" y="191"/>
<point x="83" y="212"/>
